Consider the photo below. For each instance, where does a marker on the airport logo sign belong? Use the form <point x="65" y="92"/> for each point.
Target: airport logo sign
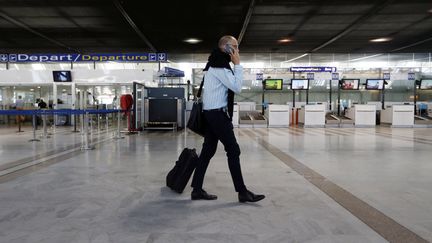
<point x="313" y="69"/>
<point x="102" y="57"/>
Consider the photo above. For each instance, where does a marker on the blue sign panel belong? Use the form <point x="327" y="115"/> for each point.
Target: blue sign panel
<point x="260" y="76"/>
<point x="161" y="57"/>
<point x="101" y="57"/>
<point x="411" y="76"/>
<point x="386" y="76"/>
<point x="310" y="76"/>
<point x="313" y="69"/>
<point x="4" y="57"/>
<point x="152" y="57"/>
<point x="335" y="76"/>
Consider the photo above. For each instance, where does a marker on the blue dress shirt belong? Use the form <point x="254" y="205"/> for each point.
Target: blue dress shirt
<point x="217" y="81"/>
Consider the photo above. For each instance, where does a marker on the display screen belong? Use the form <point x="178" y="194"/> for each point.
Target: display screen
<point x="299" y="84"/>
<point x="350" y="84"/>
<point x="273" y="84"/>
<point x="375" y="84"/>
<point x="62" y="76"/>
<point x="426" y="84"/>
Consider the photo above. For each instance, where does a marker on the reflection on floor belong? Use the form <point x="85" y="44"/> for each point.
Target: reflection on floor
<point x="117" y="193"/>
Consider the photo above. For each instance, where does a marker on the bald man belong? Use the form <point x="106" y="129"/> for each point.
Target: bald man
<point x="220" y="84"/>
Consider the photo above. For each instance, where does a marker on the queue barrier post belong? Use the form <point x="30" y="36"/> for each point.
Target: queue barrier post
<point x="98" y="121"/>
<point x="106" y="122"/>
<point x="118" y="136"/>
<point x="34" y="139"/>
<point x="19" y="123"/>
<point x="44" y="124"/>
<point x="75" y="123"/>
<point x="86" y="145"/>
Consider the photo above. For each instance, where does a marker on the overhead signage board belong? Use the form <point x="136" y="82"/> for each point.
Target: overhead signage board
<point x="313" y="69"/>
<point x="411" y="76"/>
<point x="335" y="76"/>
<point x="260" y="76"/>
<point x="99" y="57"/>
<point x="386" y="76"/>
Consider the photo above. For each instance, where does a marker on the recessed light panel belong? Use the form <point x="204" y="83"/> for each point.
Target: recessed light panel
<point x="382" y="39"/>
<point x="285" y="40"/>
<point x="192" y="40"/>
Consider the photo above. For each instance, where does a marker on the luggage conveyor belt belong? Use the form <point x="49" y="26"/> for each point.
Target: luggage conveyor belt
<point x="252" y="119"/>
<point x="338" y="121"/>
<point x="421" y="121"/>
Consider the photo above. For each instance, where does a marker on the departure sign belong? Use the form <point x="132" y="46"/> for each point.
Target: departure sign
<point x="101" y="57"/>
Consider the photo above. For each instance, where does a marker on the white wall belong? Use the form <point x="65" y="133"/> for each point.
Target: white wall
<point x="78" y="76"/>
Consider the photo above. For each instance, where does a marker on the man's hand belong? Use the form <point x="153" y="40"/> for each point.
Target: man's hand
<point x="235" y="57"/>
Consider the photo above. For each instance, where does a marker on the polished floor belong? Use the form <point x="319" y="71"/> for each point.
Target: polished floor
<point x="321" y="185"/>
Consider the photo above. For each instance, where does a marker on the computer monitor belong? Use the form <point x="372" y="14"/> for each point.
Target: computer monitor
<point x="273" y="84"/>
<point x="62" y="76"/>
<point x="374" y="84"/>
<point x="426" y="84"/>
<point x="350" y="84"/>
<point x="299" y="84"/>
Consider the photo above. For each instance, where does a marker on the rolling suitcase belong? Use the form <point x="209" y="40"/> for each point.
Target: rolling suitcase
<point x="179" y="176"/>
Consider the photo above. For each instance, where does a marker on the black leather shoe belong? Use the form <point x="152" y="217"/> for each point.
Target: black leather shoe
<point x="248" y="196"/>
<point x="202" y="195"/>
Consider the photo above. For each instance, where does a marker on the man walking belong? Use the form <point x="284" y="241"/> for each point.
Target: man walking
<point x="220" y="83"/>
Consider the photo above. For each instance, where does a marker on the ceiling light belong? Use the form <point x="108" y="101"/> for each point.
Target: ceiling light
<point x="192" y="40"/>
<point x="382" y="39"/>
<point x="430" y="10"/>
<point x="38" y="87"/>
<point x="295" y="58"/>
<point x="31" y="89"/>
<point x="365" y="57"/>
<point x="285" y="40"/>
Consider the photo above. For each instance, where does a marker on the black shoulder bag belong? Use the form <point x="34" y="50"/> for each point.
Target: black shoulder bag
<point x="196" y="121"/>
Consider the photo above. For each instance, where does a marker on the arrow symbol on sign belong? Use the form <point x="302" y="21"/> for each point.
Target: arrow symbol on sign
<point x="152" y="57"/>
<point x="161" y="56"/>
<point x="3" y="58"/>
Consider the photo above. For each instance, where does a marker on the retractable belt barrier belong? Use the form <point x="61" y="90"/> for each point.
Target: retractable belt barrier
<point x="57" y="112"/>
<point x="84" y="125"/>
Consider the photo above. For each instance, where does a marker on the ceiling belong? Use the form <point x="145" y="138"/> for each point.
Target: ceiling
<point x="331" y="26"/>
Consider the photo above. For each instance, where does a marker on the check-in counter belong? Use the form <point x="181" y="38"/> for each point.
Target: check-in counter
<point x="246" y="106"/>
<point x="279" y="115"/>
<point x="312" y="115"/>
<point x="235" y="118"/>
<point x="362" y="115"/>
<point x="398" y="115"/>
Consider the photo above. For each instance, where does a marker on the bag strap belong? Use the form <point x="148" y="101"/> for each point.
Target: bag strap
<point x="200" y="88"/>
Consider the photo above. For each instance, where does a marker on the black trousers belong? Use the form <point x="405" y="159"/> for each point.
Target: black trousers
<point x="219" y="128"/>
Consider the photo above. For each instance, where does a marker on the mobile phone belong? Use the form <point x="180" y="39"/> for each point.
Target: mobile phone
<point x="229" y="49"/>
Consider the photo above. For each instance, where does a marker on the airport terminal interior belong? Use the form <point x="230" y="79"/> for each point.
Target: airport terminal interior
<point x="334" y="121"/>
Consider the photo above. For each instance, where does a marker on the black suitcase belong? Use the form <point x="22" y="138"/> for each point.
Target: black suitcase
<point x="179" y="176"/>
